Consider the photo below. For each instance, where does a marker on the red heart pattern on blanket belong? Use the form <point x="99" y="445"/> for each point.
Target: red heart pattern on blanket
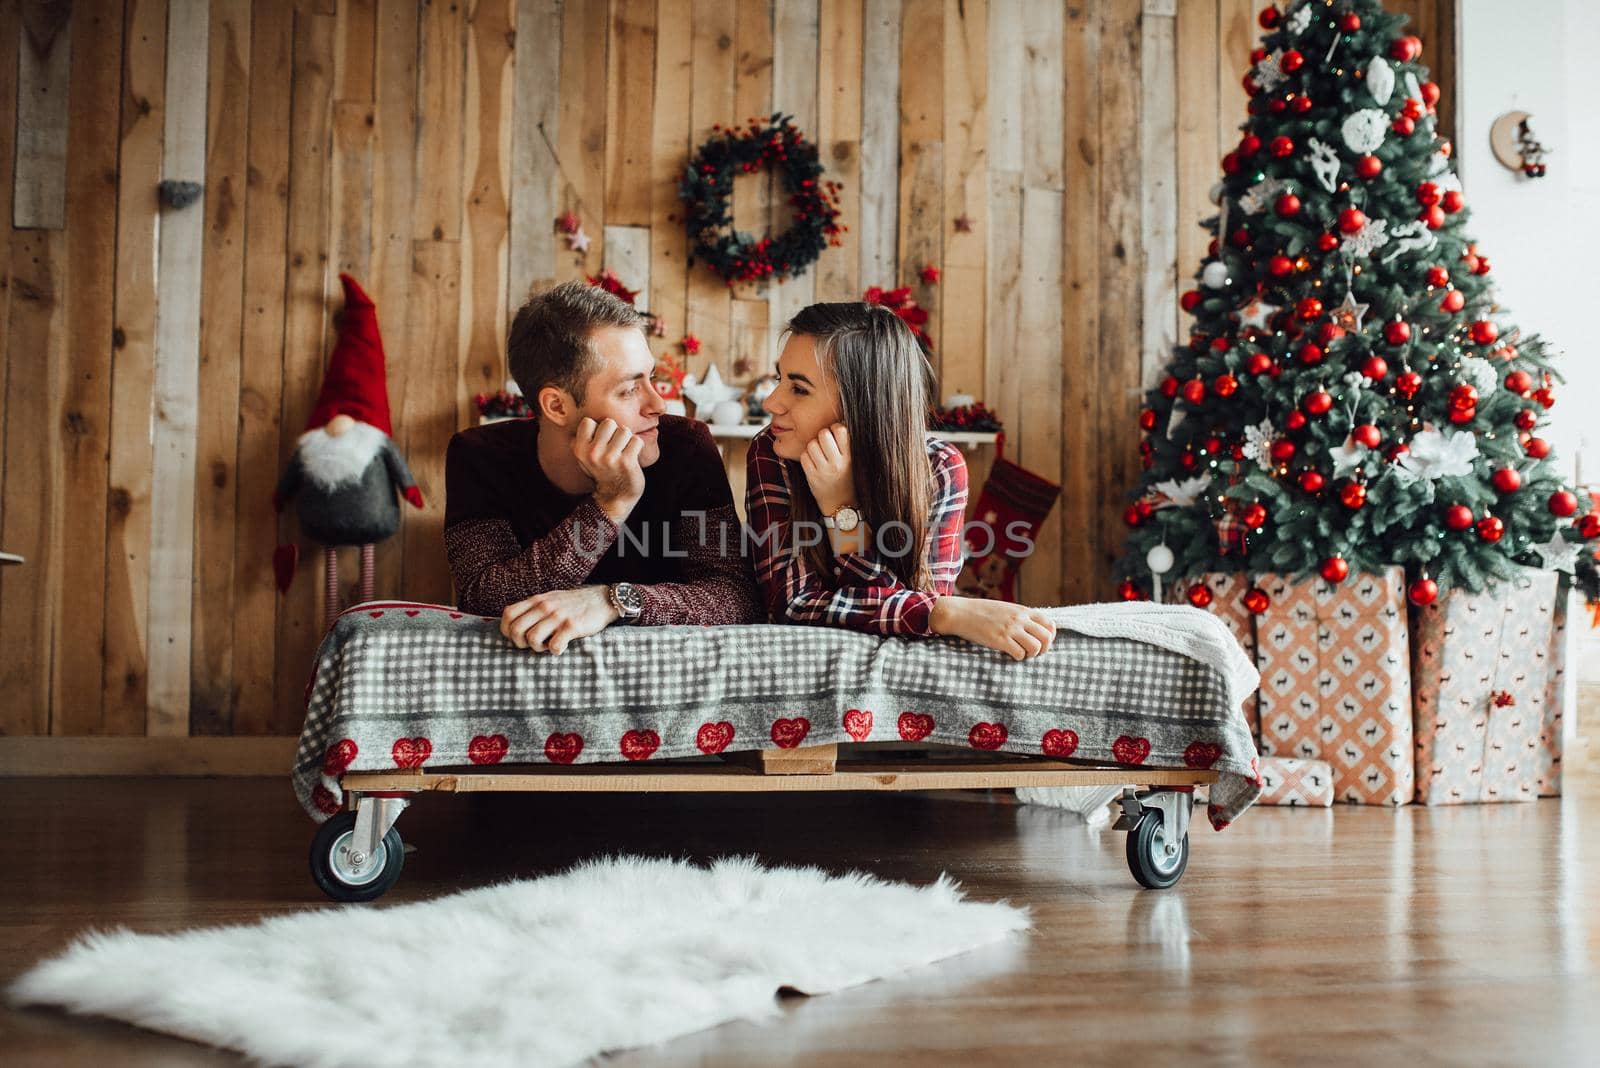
<point x="638" y="745"/>
<point x="341" y="755"/>
<point x="563" y="748"/>
<point x="915" y="726"/>
<point x="1202" y="754"/>
<point x="987" y="735"/>
<point x="714" y="737"/>
<point x="487" y="748"/>
<point x="788" y="733"/>
<point x="1130" y="750"/>
<point x="858" y="724"/>
<point x="374" y="615"/>
<point x="1059" y="743"/>
<point x="455" y="615"/>
<point x="323" y="798"/>
<point x="413" y="611"/>
<point x="411" y="752"/>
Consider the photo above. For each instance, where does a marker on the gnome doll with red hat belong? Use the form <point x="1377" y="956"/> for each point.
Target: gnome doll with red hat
<point x="345" y="471"/>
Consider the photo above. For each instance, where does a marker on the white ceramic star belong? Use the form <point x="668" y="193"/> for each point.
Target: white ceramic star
<point x="1558" y="553"/>
<point x="578" y="241"/>
<point x="1348" y="314"/>
<point x="1256" y="313"/>
<point x="709" y="393"/>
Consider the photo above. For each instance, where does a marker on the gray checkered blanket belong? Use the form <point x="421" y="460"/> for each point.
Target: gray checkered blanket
<point x="415" y="685"/>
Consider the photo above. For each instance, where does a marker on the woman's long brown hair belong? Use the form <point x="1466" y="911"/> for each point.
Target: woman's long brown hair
<point x="884" y="383"/>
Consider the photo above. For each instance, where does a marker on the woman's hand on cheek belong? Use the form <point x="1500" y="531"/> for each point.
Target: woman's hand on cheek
<point x="826" y="463"/>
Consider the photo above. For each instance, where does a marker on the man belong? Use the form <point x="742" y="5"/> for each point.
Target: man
<point x="600" y="508"/>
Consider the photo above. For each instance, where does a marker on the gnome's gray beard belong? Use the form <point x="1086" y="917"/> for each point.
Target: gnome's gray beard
<point x="331" y="462"/>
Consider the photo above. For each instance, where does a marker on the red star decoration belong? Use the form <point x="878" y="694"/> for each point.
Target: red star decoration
<point x="964" y="223"/>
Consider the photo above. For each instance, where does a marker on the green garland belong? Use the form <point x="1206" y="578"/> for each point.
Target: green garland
<point x="707" y="192"/>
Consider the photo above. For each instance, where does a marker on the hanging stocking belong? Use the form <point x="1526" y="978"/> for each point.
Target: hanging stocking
<point x="1002" y="526"/>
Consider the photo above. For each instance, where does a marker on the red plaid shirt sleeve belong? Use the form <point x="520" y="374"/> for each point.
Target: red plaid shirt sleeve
<point x="862" y="594"/>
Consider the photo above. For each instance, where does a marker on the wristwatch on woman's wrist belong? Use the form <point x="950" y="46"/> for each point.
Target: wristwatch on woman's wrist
<point x="843" y="519"/>
<point x="626" y="599"/>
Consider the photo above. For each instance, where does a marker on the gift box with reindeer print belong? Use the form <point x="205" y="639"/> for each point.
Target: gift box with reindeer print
<point x="1486" y="668"/>
<point x="1335" y="666"/>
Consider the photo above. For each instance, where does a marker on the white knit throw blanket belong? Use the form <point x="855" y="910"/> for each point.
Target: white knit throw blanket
<point x="1187" y="631"/>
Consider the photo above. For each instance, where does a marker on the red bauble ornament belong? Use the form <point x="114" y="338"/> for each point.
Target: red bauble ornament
<point x="1403" y="126"/>
<point x="1309" y="308"/>
<point x="1506" y="479"/>
<point x="1352" y="220"/>
<point x="1256" y="600"/>
<point x="1406" y="49"/>
<point x="1490" y="528"/>
<point x="1526" y="419"/>
<point x="1423" y="592"/>
<point x="1200" y="595"/>
<point x="1312" y="481"/>
<point x="1258" y="363"/>
<point x="1287" y="205"/>
<point x="1430" y="93"/>
<point x="1254" y="516"/>
<point x="1335" y="569"/>
<point x="1397" y="332"/>
<point x="1463" y="415"/>
<point x="1213" y="445"/>
<point x="1427" y="194"/>
<point x="1589" y="525"/>
<point x="1194" y="391"/>
<point x="1169" y="386"/>
<point x="1406" y="383"/>
<point x="1129" y="591"/>
<point x="1130" y="516"/>
<point x="1268" y="18"/>
<point x="1291" y="61"/>
<point x="1310" y="353"/>
<point x="1239" y="238"/>
<point x="1282" y="450"/>
<point x="1433" y="217"/>
<point x="1147" y="420"/>
<point x="1349" y="22"/>
<point x="1563" y="503"/>
<point x="1376" y="368"/>
<point x="1538" y="448"/>
<point x="1145" y="508"/>
<point x="1453" y="201"/>
<point x="1189" y="461"/>
<point x="1484" y="332"/>
<point x="1295" y="420"/>
<point x="1412" y="109"/>
<point x="1282" y="147"/>
<point x="1220" y="344"/>
<point x="1396" y="450"/>
<point x="1352" y="495"/>
<point x="1458" y="517"/>
<point x="1327" y="242"/>
<point x="1368" y="435"/>
<point x="1546" y="397"/>
<point x="1230" y="163"/>
<point x="1438" y="277"/>
<point x="1453" y="301"/>
<point x="1482" y="266"/>
<point x="1328" y="333"/>
<point x="1302" y="104"/>
<point x="1190" y="300"/>
<point x="1463" y="396"/>
<point x="1224" y="385"/>
<point x="1280" y="265"/>
<point x="1519" y="382"/>
<point x="1369" y="167"/>
<point x="1249" y="145"/>
<point x="1317" y="402"/>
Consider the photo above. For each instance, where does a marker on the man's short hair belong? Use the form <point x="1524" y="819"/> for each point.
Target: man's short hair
<point x="549" y="340"/>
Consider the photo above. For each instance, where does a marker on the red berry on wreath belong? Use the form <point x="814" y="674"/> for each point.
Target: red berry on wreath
<point x="1352" y="495"/>
<point x="1335" y="569"/>
<point x="1200" y="595"/>
<point x="1484" y="332"/>
<point x="1376" y="368"/>
<point x="1506" y="479"/>
<point x="1317" y="402"/>
<point x="1458" y="517"/>
<point x="1563" y="503"/>
<point x="1368" y="435"/>
<point x="1369" y="167"/>
<point x="1312" y="481"/>
<point x="1490" y="528"/>
<point x="1538" y="448"/>
<point x="1256" y="601"/>
<point x="1254" y="515"/>
<point x="1352" y="220"/>
<point x="1423" y="592"/>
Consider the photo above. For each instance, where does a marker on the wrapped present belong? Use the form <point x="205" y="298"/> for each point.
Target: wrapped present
<point x="1287" y="781"/>
<point x="1335" y="666"/>
<point x="1555" y="699"/>
<point x="1481" y="663"/>
<point x="1224" y="591"/>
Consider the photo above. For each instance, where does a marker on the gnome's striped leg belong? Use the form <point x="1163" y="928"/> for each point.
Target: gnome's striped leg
<point x="330" y="585"/>
<point x="366" y="571"/>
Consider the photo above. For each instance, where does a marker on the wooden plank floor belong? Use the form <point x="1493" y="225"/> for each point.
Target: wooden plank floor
<point x="1357" y="936"/>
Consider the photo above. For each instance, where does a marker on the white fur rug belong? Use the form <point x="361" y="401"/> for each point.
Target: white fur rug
<point x="617" y="952"/>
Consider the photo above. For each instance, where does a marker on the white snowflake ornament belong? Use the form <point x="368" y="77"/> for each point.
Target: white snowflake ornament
<point x="1269" y="73"/>
<point x="1258" y="441"/>
<point x="1297" y="23"/>
<point x="1258" y="197"/>
<point x="1367" y="240"/>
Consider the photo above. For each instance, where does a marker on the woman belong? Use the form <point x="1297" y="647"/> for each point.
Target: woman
<point x="855" y="513"/>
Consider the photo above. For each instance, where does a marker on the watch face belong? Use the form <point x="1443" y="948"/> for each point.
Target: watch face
<point x="629" y="599"/>
<point x="846" y="519"/>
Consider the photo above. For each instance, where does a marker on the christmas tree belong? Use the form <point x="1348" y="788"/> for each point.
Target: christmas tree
<point x="1351" y="396"/>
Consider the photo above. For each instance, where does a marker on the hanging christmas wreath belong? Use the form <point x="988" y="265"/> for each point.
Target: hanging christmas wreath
<point x="707" y="193"/>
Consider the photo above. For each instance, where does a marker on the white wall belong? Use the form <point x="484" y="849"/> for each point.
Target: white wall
<point x="1542" y="235"/>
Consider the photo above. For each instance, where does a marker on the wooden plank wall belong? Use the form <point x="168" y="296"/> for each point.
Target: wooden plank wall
<point x="159" y="362"/>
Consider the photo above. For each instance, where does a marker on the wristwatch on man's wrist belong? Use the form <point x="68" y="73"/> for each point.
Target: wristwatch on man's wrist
<point x="843" y="519"/>
<point x="626" y="599"/>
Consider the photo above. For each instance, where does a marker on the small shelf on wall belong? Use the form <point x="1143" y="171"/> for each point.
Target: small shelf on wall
<point x="967" y="439"/>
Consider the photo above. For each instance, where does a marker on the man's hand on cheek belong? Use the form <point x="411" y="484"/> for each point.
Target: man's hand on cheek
<point x="609" y="454"/>
<point x="549" y="622"/>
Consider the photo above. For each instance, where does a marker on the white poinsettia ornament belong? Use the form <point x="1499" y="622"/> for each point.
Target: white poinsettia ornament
<point x="1363" y="131"/>
<point x="1436" y="454"/>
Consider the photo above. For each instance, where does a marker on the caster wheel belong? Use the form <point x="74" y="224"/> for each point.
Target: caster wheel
<point x="347" y="876"/>
<point x="1155" y="862"/>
